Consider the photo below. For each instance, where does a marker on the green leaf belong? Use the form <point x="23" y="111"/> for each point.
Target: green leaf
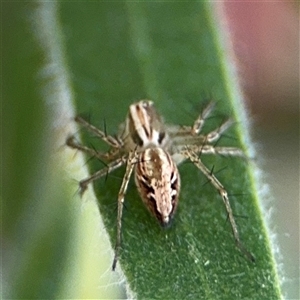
<point x="104" y="56"/>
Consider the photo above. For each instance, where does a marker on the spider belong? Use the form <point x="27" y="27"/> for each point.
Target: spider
<point x="154" y="149"/>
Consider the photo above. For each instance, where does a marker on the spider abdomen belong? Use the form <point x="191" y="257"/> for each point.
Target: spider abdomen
<point x="158" y="182"/>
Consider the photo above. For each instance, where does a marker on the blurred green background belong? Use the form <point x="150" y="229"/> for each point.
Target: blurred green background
<point x="33" y="190"/>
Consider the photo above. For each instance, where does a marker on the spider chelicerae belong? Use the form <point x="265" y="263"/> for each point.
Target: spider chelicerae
<point x="154" y="149"/>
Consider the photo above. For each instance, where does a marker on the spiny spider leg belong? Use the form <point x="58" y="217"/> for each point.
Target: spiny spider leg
<point x="198" y="124"/>
<point x="176" y="131"/>
<point x="110" y="140"/>
<point x="71" y="142"/>
<point x="131" y="160"/>
<point x="216" y="134"/>
<point x="209" y="149"/>
<point x="109" y="168"/>
<point x="188" y="153"/>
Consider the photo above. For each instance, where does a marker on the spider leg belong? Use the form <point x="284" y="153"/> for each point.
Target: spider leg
<point x="110" y="140"/>
<point x="129" y="168"/>
<point x="108" y="169"/>
<point x="209" y="149"/>
<point x="176" y="131"/>
<point x="216" y="134"/>
<point x="71" y="142"/>
<point x="198" y="124"/>
<point x="188" y="153"/>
